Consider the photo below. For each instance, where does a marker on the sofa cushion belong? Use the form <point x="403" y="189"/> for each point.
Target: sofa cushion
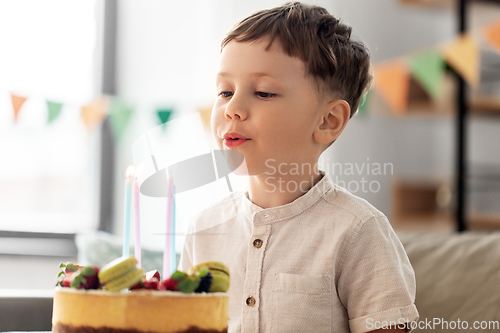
<point x="458" y="277"/>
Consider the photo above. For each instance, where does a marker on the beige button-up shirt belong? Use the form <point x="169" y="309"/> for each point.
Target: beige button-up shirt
<point x="327" y="262"/>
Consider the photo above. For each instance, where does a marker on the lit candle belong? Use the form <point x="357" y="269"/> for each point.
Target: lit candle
<point x="126" y="223"/>
<point x="166" y="251"/>
<point x="138" y="172"/>
<point x="173" y="256"/>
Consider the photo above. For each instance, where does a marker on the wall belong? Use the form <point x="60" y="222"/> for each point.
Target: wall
<point x="417" y="147"/>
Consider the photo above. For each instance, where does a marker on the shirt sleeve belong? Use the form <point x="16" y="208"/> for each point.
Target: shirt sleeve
<point x="376" y="281"/>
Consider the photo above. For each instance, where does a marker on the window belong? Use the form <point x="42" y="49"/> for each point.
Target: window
<point x="49" y="171"/>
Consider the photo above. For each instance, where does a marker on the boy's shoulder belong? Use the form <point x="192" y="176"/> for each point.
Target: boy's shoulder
<point x="341" y="199"/>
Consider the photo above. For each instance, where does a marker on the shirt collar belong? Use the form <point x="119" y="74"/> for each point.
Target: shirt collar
<point x="261" y="215"/>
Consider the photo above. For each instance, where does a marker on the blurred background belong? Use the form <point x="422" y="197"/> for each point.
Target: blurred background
<point x="82" y="81"/>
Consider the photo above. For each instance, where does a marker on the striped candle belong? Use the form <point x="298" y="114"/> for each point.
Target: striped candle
<point x="126" y="221"/>
<point x="173" y="255"/>
<point x="137" y="225"/>
<point x="168" y="236"/>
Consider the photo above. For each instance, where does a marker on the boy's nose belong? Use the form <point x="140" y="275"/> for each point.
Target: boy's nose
<point x="236" y="110"/>
<point x="233" y="115"/>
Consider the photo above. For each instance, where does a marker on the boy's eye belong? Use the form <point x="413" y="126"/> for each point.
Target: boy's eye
<point x="264" y="94"/>
<point x="226" y="94"/>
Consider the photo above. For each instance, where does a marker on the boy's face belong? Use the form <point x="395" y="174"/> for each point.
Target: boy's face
<point x="266" y="99"/>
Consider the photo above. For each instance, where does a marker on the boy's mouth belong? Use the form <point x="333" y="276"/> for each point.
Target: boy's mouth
<point x="233" y="139"/>
<point x="234" y="136"/>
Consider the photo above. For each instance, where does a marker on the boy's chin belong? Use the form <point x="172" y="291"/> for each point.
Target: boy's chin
<point x="242" y="169"/>
<point x="231" y="161"/>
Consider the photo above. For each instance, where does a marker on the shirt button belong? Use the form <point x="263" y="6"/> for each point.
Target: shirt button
<point x="257" y="243"/>
<point x="250" y="301"/>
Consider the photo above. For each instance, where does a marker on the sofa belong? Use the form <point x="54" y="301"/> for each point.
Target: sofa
<point x="458" y="278"/>
<point x="457" y="274"/>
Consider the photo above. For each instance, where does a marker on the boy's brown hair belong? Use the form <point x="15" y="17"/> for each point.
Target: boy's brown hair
<point x="310" y="33"/>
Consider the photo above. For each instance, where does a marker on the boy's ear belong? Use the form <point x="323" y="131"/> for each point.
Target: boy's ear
<point x="333" y="120"/>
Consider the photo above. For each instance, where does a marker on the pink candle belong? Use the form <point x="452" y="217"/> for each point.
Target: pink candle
<point x="137" y="210"/>
<point x="137" y="224"/>
<point x="166" y="251"/>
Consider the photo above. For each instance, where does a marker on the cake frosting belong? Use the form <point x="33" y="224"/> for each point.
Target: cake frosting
<point x="85" y="311"/>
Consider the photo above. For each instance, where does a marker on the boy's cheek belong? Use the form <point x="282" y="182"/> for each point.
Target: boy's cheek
<point x="215" y="124"/>
<point x="218" y="117"/>
<point x="214" y="120"/>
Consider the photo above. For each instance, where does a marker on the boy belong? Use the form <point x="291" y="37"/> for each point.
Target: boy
<point x="304" y="254"/>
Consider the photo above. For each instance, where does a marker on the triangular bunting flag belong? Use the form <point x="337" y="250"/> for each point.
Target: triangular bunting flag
<point x="363" y="104"/>
<point x="205" y="116"/>
<point x="392" y="82"/>
<point x="492" y="35"/>
<point x="463" y="55"/>
<point x="164" y="115"/>
<point x="119" y="116"/>
<point x="428" y="69"/>
<point x="94" y="112"/>
<point x="417" y="93"/>
<point x="54" y="110"/>
<point x="17" y="103"/>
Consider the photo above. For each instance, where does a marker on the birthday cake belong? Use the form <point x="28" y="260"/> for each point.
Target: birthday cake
<point x="121" y="298"/>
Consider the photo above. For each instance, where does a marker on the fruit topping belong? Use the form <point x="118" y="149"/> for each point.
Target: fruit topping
<point x="149" y="282"/>
<point x="122" y="273"/>
<point x="189" y="284"/>
<point x="168" y="284"/>
<point x="219" y="272"/>
<point x="139" y="285"/>
<point x="78" y="277"/>
<point x="205" y="283"/>
<point x="68" y="268"/>
<point x="199" y="281"/>
<point x="153" y="274"/>
<point x="172" y="282"/>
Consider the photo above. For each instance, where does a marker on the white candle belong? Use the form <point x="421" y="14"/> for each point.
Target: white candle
<point x="168" y="231"/>
<point x="126" y="222"/>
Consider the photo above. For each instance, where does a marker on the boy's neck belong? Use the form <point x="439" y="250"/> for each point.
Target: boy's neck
<point x="267" y="191"/>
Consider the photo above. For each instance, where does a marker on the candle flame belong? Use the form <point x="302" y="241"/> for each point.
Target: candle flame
<point x="130" y="171"/>
<point x="138" y="170"/>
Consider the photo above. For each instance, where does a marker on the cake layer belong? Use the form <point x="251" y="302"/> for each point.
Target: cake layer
<point x="62" y="328"/>
<point x="142" y="311"/>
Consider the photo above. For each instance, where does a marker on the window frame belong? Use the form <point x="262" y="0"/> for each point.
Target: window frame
<point x="63" y="244"/>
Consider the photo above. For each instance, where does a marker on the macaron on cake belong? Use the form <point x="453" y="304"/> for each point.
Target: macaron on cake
<point x="120" y="297"/>
<point x="120" y="274"/>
